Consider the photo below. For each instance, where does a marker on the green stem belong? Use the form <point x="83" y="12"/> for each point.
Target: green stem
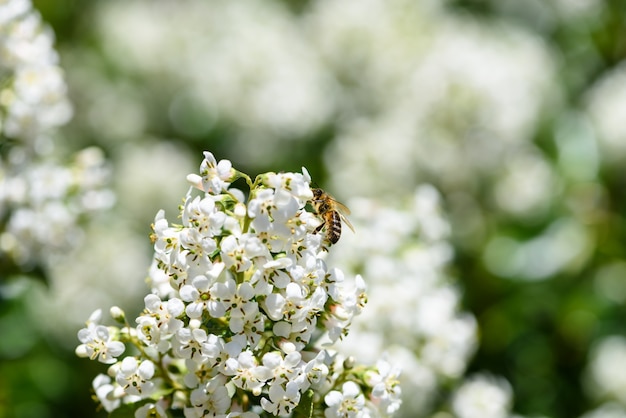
<point x="239" y="174"/>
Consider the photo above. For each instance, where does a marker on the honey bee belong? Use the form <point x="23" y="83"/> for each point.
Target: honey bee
<point x="332" y="213"/>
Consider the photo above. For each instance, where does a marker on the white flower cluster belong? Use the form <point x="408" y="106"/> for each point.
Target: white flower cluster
<point x="43" y="205"/>
<point x="41" y="202"/>
<point x="241" y="302"/>
<point x="33" y="93"/>
<point x="285" y="99"/>
<point x="414" y="309"/>
<point x="431" y="90"/>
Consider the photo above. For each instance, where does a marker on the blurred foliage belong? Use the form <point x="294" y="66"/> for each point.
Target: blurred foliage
<point x="538" y="334"/>
<point x="39" y="377"/>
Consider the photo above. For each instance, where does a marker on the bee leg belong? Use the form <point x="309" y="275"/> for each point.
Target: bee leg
<point x="325" y="241"/>
<point x="319" y="228"/>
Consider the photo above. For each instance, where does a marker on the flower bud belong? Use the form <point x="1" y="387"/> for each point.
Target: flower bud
<point x="118" y="314"/>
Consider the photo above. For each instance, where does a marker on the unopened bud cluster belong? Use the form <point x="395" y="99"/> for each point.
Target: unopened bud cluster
<point x="241" y="307"/>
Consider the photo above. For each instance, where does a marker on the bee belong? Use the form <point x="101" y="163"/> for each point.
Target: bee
<point x="332" y="213"/>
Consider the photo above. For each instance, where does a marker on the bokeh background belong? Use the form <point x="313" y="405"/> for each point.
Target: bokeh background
<point x="480" y="144"/>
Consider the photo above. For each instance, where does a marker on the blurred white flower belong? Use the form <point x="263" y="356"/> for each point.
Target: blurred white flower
<point x="43" y="202"/>
<point x="606" y="410"/>
<point x="105" y="392"/>
<point x="578" y="9"/>
<point x="149" y="175"/>
<point x="95" y="274"/>
<point x="33" y="95"/>
<point x="609" y="283"/>
<point x="10" y="9"/>
<point x="564" y="243"/>
<point x="246" y="62"/>
<point x="578" y="148"/>
<point x="46" y="204"/>
<point x="482" y="396"/>
<point x="526" y="186"/>
<point x="428" y="93"/>
<point x="605" y="377"/>
<point x="413" y="307"/>
<point x="605" y="105"/>
<point x="386" y="390"/>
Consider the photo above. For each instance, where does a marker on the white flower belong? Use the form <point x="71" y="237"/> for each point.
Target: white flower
<point x="349" y="403"/>
<point x="197" y="247"/>
<point x="97" y="343"/>
<point x="241" y="251"/>
<point x="135" y="378"/>
<point x="151" y="410"/>
<point x="244" y="318"/>
<point x="385" y="386"/>
<point x="160" y="321"/>
<point x="106" y="392"/>
<point x="350" y="303"/>
<point x="283" y="369"/>
<point x="274" y="306"/>
<point x="192" y="343"/>
<point x="208" y="364"/>
<point x="282" y="400"/>
<point x="208" y="401"/>
<point x="201" y="298"/>
<point x="316" y="371"/>
<point x="246" y="372"/>
<point x="215" y="176"/>
<point x="260" y="210"/>
<point x="203" y="215"/>
<point x="248" y="329"/>
<point x="236" y="299"/>
<point x="295" y="184"/>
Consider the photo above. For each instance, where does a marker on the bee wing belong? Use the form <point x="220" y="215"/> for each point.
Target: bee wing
<point x="347" y="222"/>
<point x="341" y="207"/>
<point x="343" y="212"/>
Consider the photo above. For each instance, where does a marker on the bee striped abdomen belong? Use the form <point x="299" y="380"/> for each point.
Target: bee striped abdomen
<point x="333" y="227"/>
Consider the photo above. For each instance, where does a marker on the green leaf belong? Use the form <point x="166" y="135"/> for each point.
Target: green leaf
<point x="306" y="407"/>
